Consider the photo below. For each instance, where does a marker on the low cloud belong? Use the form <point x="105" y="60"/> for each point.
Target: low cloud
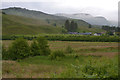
<point x="62" y="7"/>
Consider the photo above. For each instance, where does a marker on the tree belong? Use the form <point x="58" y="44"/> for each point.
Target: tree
<point x="109" y="33"/>
<point x="90" y="26"/>
<point x="19" y="49"/>
<point x="72" y="26"/>
<point x="43" y="45"/>
<point x="34" y="48"/>
<point x="76" y="27"/>
<point x="67" y="25"/>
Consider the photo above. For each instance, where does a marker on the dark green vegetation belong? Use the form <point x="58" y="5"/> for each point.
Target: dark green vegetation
<point x="20" y="49"/>
<point x="111" y="30"/>
<point x="56" y="55"/>
<point x="66" y="37"/>
<point x="71" y="26"/>
<point x="23" y="21"/>
<point x="69" y="49"/>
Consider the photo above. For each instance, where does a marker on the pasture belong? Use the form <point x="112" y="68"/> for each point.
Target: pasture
<point x="94" y="60"/>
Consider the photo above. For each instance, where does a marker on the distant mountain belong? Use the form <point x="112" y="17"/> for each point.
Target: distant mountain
<point x="87" y="17"/>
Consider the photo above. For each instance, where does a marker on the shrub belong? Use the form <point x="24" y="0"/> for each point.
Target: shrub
<point x="76" y="56"/>
<point x="69" y="49"/>
<point x="5" y="54"/>
<point x="101" y="68"/>
<point x="34" y="48"/>
<point x="19" y="49"/>
<point x="43" y="45"/>
<point x="56" y="55"/>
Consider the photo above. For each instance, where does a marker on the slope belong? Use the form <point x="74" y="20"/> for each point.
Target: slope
<point x="47" y="18"/>
<point x="24" y="21"/>
<point x="21" y="25"/>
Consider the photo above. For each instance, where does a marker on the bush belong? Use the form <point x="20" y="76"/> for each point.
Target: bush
<point x="69" y="49"/>
<point x="56" y="55"/>
<point x="34" y="48"/>
<point x="5" y="55"/>
<point x="43" y="45"/>
<point x="19" y="49"/>
<point x="100" y="69"/>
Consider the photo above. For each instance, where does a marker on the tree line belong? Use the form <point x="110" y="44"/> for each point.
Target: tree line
<point x="110" y="30"/>
<point x="113" y="28"/>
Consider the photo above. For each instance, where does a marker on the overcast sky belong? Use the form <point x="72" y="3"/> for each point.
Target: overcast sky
<point x="105" y="8"/>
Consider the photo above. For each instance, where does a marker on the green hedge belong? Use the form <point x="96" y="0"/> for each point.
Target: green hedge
<point x="66" y="37"/>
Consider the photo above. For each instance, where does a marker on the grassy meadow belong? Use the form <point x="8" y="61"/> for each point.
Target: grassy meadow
<point x="88" y="60"/>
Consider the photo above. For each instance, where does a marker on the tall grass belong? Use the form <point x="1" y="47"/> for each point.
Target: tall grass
<point x="92" y="68"/>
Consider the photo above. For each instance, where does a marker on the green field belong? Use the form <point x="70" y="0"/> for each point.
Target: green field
<point x="94" y="60"/>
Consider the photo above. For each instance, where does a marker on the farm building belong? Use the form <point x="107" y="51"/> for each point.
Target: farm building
<point x="97" y="34"/>
<point x="89" y="33"/>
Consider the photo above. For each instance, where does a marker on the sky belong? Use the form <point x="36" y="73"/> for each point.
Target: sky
<point x="105" y="8"/>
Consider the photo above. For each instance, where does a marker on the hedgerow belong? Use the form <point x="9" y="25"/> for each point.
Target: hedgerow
<point x="66" y="37"/>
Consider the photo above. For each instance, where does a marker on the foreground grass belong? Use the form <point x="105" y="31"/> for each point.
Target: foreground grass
<point x="94" y="60"/>
<point x="43" y="67"/>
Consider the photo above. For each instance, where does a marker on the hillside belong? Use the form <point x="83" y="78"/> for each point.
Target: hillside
<point x="48" y="18"/>
<point x="21" y="25"/>
<point x="24" y="21"/>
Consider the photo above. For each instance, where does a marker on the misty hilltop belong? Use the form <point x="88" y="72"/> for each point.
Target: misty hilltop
<point x="98" y="20"/>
